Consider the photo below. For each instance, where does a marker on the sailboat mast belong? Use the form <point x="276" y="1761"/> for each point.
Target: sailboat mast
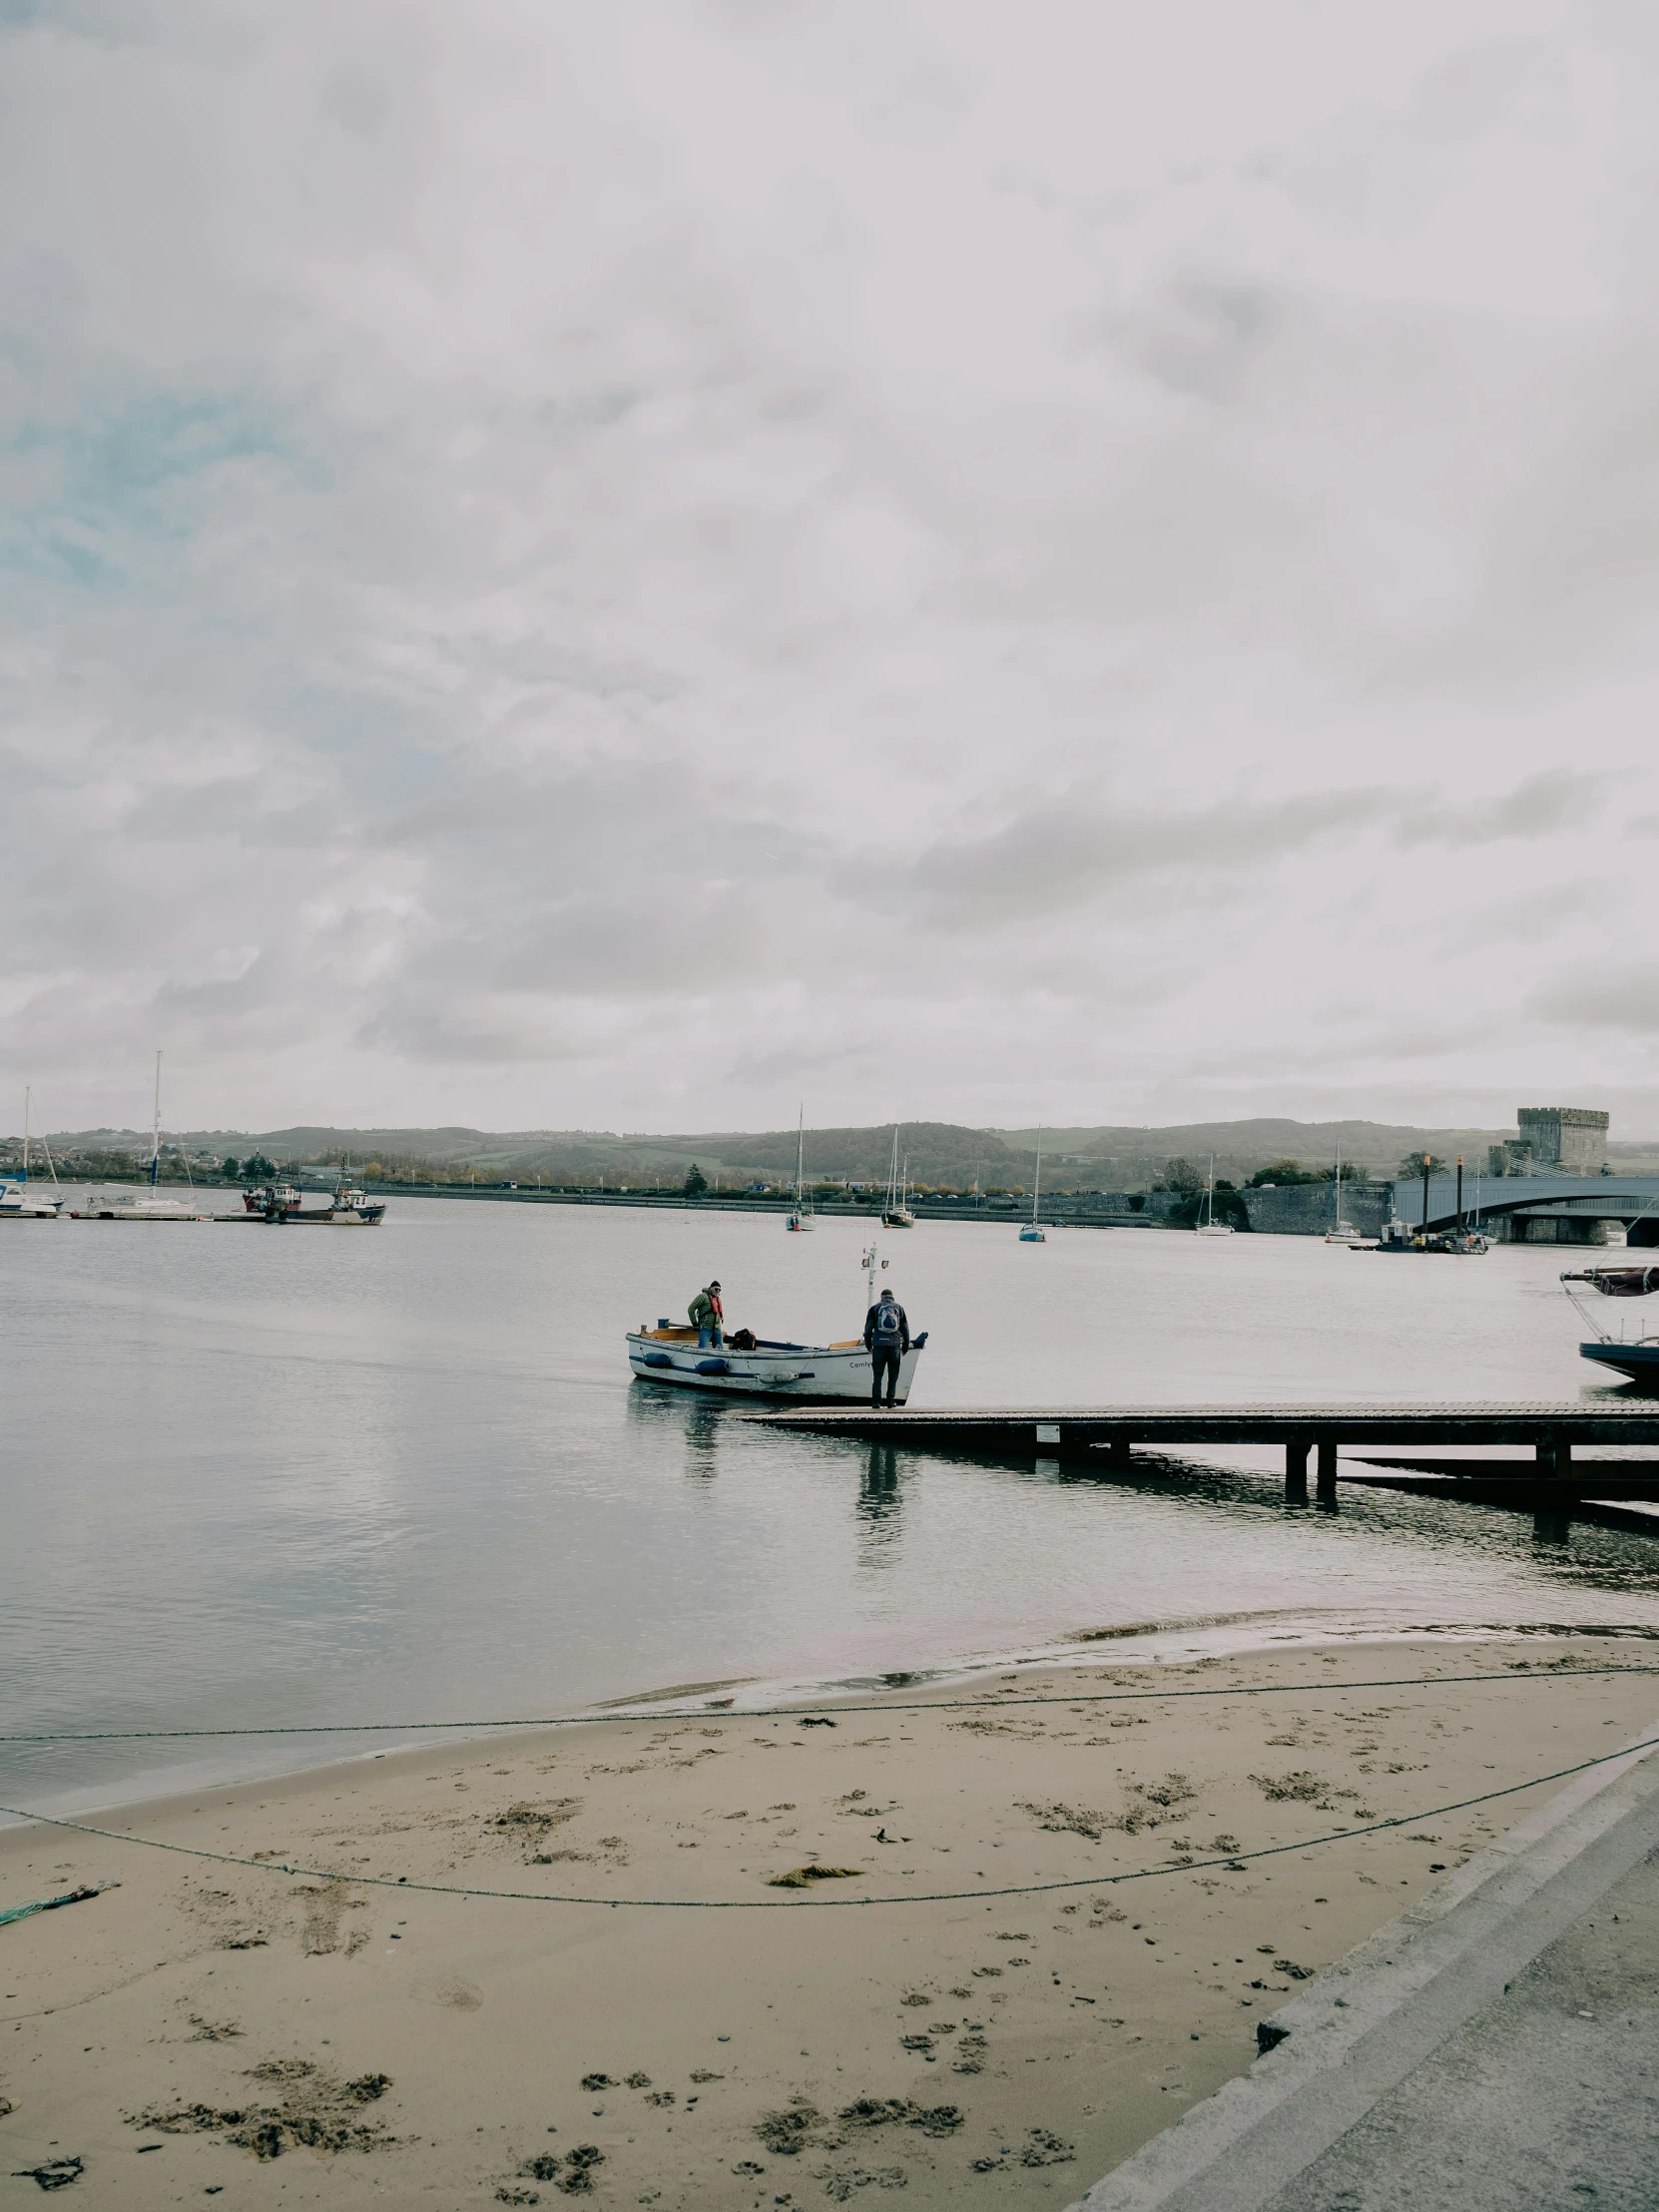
<point x="1339" y="1186"/>
<point x="799" y="1149"/>
<point x="156" y="1130"/>
<point x="25" y="1132"/>
<point x="1037" y="1178"/>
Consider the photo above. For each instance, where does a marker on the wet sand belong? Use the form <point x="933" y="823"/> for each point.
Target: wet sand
<point x="263" y="2037"/>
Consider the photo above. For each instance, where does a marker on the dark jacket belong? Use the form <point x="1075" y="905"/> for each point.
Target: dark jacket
<point x="885" y="1323"/>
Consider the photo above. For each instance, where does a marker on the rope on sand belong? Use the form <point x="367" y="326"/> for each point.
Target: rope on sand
<point x="708" y="1710"/>
<point x="1233" y="1861"/>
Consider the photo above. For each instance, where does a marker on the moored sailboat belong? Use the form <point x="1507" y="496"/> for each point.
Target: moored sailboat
<point x="801" y="1213"/>
<point x="895" y="1214"/>
<point x="146" y="1203"/>
<point x="17" y="1201"/>
<point x="1031" y="1234"/>
<point x="1206" y="1224"/>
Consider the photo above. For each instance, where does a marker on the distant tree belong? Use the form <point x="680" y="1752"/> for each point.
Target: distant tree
<point x="1181" y="1175"/>
<point x="1411" y="1166"/>
<point x="258" y="1169"/>
<point x="696" y="1180"/>
<point x="228" y="1170"/>
<point x="1282" y="1171"/>
<point x="374" y="1172"/>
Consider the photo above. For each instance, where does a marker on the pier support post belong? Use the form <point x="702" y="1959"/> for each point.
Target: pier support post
<point x="1555" y="1456"/>
<point x="1295" y="1470"/>
<point x="1117" y="1456"/>
<point x="1327" y="1470"/>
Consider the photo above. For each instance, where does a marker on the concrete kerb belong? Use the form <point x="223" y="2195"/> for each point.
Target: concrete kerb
<point x="1364" y="2025"/>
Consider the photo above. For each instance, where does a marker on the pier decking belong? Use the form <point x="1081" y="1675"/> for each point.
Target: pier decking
<point x="1106" y="1437"/>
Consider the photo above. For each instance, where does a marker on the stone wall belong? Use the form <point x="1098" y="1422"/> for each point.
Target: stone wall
<point x="1308" y="1209"/>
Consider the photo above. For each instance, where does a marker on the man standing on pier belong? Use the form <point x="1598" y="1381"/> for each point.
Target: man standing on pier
<point x="708" y="1317"/>
<point x="888" y="1333"/>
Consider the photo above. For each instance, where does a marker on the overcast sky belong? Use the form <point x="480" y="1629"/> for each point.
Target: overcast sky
<point x="630" y="566"/>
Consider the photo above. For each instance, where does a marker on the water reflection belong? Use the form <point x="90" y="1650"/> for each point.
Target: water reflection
<point x="880" y="1524"/>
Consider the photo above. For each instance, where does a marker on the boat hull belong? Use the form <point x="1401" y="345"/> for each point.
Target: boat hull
<point x="811" y="1374"/>
<point x="1639" y="1362"/>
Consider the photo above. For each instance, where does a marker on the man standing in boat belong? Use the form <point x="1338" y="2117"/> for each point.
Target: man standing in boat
<point x="708" y="1316"/>
<point x="888" y="1333"/>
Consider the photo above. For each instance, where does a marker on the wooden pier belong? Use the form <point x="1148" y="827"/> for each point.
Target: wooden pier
<point x="1106" y="1438"/>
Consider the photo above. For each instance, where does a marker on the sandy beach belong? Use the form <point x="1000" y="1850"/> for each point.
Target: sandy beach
<point x="263" y="2036"/>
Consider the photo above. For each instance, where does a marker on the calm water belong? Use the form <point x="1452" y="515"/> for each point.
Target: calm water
<point x="272" y="1478"/>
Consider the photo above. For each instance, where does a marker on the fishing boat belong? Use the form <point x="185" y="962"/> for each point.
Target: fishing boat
<point x="895" y="1214"/>
<point x="354" y="1208"/>
<point x="1031" y="1234"/>
<point x="272" y="1200"/>
<point x="17" y="1201"/>
<point x="1636" y="1358"/>
<point x="747" y="1366"/>
<point x="147" y="1202"/>
<point x="1206" y="1224"/>
<point x="801" y="1213"/>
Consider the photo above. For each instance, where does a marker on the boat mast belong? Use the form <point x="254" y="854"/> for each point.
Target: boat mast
<point x="1037" y="1178"/>
<point x="25" y="1132"/>
<point x="156" y="1130"/>
<point x="1339" y="1186"/>
<point x="799" y="1151"/>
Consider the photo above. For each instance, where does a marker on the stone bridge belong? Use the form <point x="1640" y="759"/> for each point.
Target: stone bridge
<point x="1539" y="1209"/>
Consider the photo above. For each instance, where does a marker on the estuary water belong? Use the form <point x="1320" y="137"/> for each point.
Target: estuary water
<point x="284" y="1478"/>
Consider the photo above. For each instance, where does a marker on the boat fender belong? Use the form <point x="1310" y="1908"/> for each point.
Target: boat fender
<point x="712" y="1366"/>
<point x="917" y="1342"/>
<point x="654" y="1360"/>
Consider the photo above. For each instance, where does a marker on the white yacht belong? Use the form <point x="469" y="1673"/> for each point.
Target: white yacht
<point x="1032" y="1232"/>
<point x="145" y="1202"/>
<point x="1207" y="1225"/>
<point x="18" y="1201"/>
<point x="801" y="1213"/>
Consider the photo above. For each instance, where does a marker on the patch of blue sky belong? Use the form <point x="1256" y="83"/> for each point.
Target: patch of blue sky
<point x="115" y="486"/>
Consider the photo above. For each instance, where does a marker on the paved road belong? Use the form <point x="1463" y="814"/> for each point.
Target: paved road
<point x="1495" y="2049"/>
<point x="1546" y="2099"/>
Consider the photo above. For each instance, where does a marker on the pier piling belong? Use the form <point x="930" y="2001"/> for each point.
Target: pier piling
<point x="1296" y="1467"/>
<point x="1328" y="1468"/>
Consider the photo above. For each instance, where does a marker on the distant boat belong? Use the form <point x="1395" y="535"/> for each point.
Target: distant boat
<point x="146" y="1203"/>
<point x="1031" y="1234"/>
<point x="1340" y="1232"/>
<point x="17" y="1201"/>
<point x="1206" y="1224"/>
<point x="894" y="1213"/>
<point x="801" y="1213"/>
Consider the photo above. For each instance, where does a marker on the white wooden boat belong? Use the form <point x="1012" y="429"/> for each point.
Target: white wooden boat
<point x="768" y="1366"/>
<point x="812" y="1373"/>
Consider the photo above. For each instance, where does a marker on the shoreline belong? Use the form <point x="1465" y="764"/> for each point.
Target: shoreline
<point x="398" y="2039"/>
<point x="1293" y="1629"/>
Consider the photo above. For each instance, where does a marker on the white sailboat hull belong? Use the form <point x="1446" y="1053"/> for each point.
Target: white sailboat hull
<point x="19" y="1203"/>
<point x="811" y="1374"/>
<point x="140" y="1205"/>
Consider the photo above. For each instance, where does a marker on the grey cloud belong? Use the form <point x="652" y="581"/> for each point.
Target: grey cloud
<point x="1542" y="806"/>
<point x="1057" y="855"/>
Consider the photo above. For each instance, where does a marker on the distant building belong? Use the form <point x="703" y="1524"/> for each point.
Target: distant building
<point x="1553" y="1140"/>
